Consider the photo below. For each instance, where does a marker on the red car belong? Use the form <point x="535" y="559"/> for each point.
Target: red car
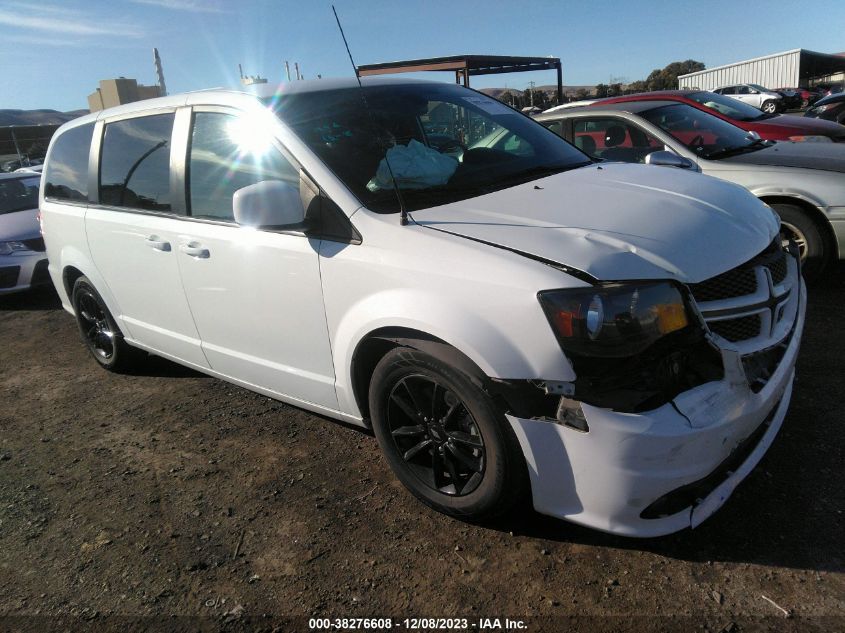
<point x="775" y="127"/>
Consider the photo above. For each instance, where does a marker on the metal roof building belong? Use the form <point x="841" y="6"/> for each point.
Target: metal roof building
<point x="465" y="66"/>
<point x="794" y="68"/>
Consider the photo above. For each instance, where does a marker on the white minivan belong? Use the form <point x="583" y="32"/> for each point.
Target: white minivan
<point x="614" y="343"/>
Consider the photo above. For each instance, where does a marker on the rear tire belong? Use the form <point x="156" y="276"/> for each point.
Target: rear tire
<point x="797" y="225"/>
<point x="99" y="331"/>
<point x="444" y="437"/>
<point x="769" y="107"/>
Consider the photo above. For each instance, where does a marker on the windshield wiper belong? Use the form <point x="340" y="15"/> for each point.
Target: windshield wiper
<point x="540" y="171"/>
<point x="729" y="151"/>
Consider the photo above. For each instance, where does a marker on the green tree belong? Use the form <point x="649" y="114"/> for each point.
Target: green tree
<point x="581" y="94"/>
<point x="636" y="86"/>
<point x="601" y="91"/>
<point x="667" y="78"/>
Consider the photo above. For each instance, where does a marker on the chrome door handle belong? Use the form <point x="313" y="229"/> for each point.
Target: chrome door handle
<point x="154" y="241"/>
<point x="195" y="250"/>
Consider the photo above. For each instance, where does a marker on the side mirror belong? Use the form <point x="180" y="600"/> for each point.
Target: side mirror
<point x="268" y="203"/>
<point x="668" y="159"/>
<point x="752" y="136"/>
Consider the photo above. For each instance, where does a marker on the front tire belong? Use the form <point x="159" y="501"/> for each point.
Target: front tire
<point x="798" y="226"/>
<point x="769" y="107"/>
<point x="98" y="329"/>
<point x="444" y="437"/>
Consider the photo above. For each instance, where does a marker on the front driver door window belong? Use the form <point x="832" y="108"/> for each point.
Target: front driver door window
<point x="613" y="139"/>
<point x="255" y="294"/>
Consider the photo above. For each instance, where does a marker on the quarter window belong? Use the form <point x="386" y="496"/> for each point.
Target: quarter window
<point x="135" y="163"/>
<point x="229" y="153"/>
<point x="66" y="174"/>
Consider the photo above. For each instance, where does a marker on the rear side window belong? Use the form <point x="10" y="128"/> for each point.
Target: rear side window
<point x="66" y="173"/>
<point x="135" y="163"/>
<point x="228" y="153"/>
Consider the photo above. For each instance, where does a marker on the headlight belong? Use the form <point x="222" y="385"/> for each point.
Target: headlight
<point x="7" y="248"/>
<point x="810" y="138"/>
<point x="615" y="320"/>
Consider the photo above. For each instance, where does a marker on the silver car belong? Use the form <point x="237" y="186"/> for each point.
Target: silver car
<point x="23" y="261"/>
<point x="803" y="182"/>
<point x="766" y="100"/>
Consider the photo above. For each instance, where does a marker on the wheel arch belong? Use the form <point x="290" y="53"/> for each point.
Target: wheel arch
<point x="373" y="347"/>
<point x="70" y="274"/>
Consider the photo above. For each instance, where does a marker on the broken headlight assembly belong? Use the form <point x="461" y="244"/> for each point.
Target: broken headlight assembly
<point x="633" y="346"/>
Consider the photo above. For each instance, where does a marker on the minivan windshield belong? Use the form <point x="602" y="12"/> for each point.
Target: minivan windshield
<point x="438" y="143"/>
<point x="733" y="108"/>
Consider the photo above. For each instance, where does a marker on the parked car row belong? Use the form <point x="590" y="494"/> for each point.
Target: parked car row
<point x="23" y="262"/>
<point x="513" y="317"/>
<point x="830" y="108"/>
<point x="802" y="181"/>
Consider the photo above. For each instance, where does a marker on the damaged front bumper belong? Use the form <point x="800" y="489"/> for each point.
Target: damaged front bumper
<point x="654" y="473"/>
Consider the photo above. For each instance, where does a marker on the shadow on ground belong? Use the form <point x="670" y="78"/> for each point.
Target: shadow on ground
<point x="43" y="298"/>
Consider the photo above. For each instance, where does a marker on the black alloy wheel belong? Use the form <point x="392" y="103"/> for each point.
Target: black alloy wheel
<point x="94" y="326"/>
<point x="98" y="329"/>
<point x="444" y="437"/>
<point x="436" y="435"/>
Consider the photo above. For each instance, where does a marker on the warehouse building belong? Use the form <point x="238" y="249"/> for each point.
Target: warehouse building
<point x="790" y="69"/>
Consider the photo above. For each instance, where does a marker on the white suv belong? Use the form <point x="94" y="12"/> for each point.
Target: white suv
<point x="762" y="98"/>
<point x="614" y="342"/>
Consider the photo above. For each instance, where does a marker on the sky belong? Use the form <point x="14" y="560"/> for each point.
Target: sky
<point x="53" y="52"/>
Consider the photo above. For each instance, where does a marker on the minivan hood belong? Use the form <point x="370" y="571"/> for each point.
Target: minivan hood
<point x="616" y="221"/>
<point x="19" y="225"/>
<point x="825" y="156"/>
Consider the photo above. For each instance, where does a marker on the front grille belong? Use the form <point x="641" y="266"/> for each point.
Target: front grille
<point x="9" y="276"/>
<point x="737" y="282"/>
<point x="35" y="244"/>
<point x="777" y="268"/>
<point x="740" y="329"/>
<point x="754" y="316"/>
<point x="742" y="280"/>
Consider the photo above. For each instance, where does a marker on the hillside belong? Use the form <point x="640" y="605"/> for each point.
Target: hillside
<point x="37" y="117"/>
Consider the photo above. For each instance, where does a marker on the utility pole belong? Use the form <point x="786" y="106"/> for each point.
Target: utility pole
<point x="287" y="69"/>
<point x="531" y="92"/>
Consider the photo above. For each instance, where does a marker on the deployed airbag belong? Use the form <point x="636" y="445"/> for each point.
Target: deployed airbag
<point x="414" y="166"/>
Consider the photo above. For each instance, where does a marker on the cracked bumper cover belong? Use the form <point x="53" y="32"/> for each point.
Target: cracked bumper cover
<point x="607" y="477"/>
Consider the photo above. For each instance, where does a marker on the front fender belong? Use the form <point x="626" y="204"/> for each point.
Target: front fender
<point x="774" y="191"/>
<point x="501" y="346"/>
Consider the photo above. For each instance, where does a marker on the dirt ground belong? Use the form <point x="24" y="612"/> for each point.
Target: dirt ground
<point x="175" y="499"/>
